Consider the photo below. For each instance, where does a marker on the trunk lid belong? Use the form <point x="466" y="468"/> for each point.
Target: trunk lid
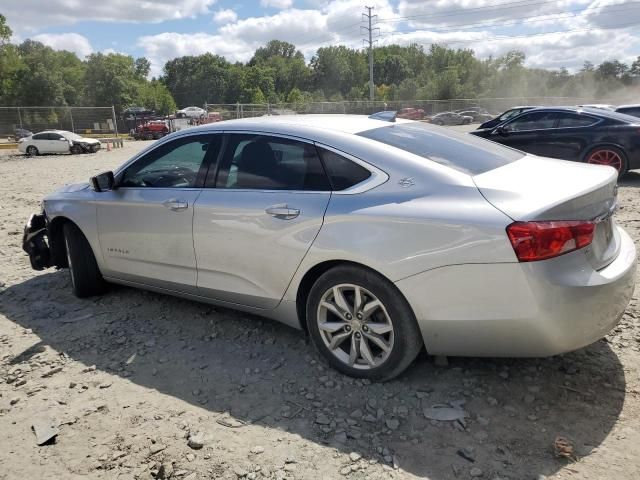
<point x="543" y="189"/>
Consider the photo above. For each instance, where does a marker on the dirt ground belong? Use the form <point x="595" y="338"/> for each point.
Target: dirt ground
<point x="143" y="386"/>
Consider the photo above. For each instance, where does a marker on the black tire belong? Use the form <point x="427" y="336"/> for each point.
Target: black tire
<point x="407" y="340"/>
<point x="32" y="151"/>
<point x="623" y="157"/>
<point x="86" y="279"/>
<point x="75" y="149"/>
<point x="94" y="148"/>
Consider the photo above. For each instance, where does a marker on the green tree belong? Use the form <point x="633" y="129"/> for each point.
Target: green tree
<point x="155" y="95"/>
<point x="5" y="31"/>
<point x="111" y="80"/>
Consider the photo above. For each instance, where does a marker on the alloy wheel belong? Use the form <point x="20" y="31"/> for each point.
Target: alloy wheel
<point x="606" y="157"/>
<point x="355" y="326"/>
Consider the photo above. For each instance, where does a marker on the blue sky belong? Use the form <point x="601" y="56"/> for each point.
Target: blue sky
<point x="593" y="30"/>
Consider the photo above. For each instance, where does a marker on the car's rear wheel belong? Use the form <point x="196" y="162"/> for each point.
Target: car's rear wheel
<point x="362" y="324"/>
<point x="86" y="279"/>
<point x="610" y="156"/>
<point x="32" y="151"/>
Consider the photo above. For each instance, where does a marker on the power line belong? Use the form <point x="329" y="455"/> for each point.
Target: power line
<point x="458" y="11"/>
<point x="507" y="37"/>
<point x="517" y="20"/>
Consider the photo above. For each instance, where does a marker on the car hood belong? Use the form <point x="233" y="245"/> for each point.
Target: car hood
<point x="72" y="188"/>
<point x="87" y="140"/>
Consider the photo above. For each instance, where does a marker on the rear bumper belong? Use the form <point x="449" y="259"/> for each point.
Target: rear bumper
<point x="532" y="309"/>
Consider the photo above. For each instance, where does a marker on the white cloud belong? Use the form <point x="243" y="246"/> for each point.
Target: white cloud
<point x="281" y="4"/>
<point x="226" y="15"/>
<point x="66" y="41"/>
<point x="336" y="22"/>
<point x="31" y="15"/>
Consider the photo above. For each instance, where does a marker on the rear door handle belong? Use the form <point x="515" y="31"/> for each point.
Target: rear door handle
<point x="175" y="204"/>
<point x="283" y="212"/>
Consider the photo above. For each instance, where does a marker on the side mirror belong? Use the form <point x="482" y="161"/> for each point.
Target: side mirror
<point x="501" y="130"/>
<point x="63" y="139"/>
<point x="103" y="182"/>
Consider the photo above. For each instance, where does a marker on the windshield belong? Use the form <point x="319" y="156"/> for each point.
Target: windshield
<point x="463" y="152"/>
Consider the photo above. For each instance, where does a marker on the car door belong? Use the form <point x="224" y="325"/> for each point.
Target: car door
<point x="145" y="224"/>
<point x="527" y="132"/>
<point x="256" y="219"/>
<point x="41" y="142"/>
<point x="571" y="136"/>
<point x="57" y="143"/>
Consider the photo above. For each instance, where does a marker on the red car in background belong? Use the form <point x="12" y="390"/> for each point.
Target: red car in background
<point x="411" y="113"/>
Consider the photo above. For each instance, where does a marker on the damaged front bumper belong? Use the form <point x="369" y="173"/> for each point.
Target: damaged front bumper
<point x="34" y="241"/>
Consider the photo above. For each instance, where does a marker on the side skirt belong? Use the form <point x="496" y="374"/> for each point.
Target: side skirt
<point x="285" y="312"/>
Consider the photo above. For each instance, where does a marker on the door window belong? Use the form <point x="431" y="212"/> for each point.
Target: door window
<point x="40" y="136"/>
<point x="54" y="136"/>
<point x="271" y="163"/>
<point x="532" y="121"/>
<point x="175" y="164"/>
<point x="566" y="120"/>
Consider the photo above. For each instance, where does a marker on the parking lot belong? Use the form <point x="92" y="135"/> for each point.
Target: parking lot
<point x="142" y="386"/>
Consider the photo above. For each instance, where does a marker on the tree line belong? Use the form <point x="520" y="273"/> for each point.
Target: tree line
<point x="34" y="74"/>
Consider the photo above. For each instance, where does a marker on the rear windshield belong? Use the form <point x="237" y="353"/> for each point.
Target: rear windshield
<point x="464" y="152"/>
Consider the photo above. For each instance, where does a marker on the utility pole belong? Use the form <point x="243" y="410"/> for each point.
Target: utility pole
<point x="370" y="29"/>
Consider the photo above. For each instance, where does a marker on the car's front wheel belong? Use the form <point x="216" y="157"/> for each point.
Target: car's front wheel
<point x="86" y="279"/>
<point x="362" y="324"/>
<point x="75" y="150"/>
<point x="32" y="151"/>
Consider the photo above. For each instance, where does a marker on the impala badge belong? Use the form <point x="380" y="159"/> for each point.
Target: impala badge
<point x="406" y="182"/>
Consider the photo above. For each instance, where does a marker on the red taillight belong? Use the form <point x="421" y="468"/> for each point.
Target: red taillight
<point x="540" y="240"/>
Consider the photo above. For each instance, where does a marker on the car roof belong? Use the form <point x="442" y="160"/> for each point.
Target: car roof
<point x="632" y="105"/>
<point x="340" y="123"/>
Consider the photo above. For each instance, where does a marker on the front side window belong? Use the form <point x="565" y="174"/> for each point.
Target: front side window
<point x="173" y="165"/>
<point x="271" y="163"/>
<point x="54" y="136"/>
<point x="532" y="121"/>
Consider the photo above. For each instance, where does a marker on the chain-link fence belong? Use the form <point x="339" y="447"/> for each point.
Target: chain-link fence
<point x="430" y="107"/>
<point x="16" y="122"/>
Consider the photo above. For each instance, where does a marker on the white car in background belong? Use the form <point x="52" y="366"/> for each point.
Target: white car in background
<point x="191" y="112"/>
<point x="57" y="141"/>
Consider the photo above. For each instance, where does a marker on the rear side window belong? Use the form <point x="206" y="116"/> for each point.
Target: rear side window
<point x="40" y="136"/>
<point x="343" y="173"/>
<point x="271" y="163"/>
<point x="633" y="111"/>
<point x="566" y="120"/>
<point x="463" y="152"/>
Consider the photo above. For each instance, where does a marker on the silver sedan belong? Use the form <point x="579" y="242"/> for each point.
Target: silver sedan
<point x="377" y="237"/>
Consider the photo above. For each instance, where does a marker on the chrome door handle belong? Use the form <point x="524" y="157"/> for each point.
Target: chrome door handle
<point x="175" y="204"/>
<point x="283" y="212"/>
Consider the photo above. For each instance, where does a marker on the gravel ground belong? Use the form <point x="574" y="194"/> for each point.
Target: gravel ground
<point x="142" y="386"/>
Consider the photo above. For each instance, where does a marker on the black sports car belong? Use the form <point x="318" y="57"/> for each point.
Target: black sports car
<point x="504" y="116"/>
<point x="588" y="135"/>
